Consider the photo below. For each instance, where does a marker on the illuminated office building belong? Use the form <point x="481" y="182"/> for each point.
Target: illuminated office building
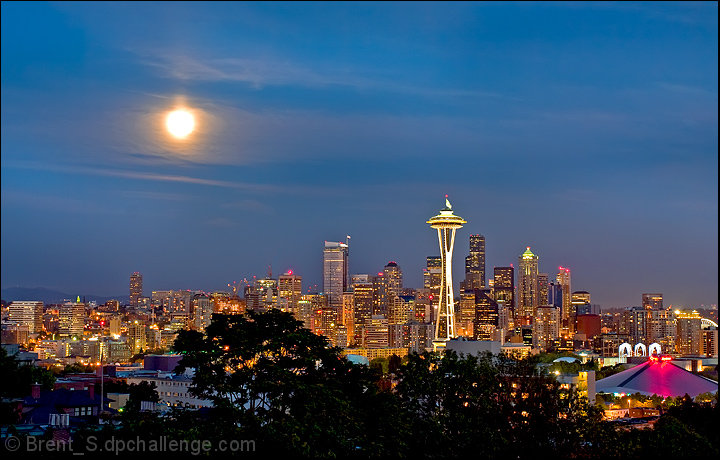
<point x="504" y="287"/>
<point x="346" y="320"/>
<point x="432" y="280"/>
<point x="380" y="297"/>
<point x="688" y="336"/>
<point x="486" y="322"/>
<point x="465" y="313"/>
<point x="137" y="337"/>
<point x="563" y="280"/>
<point x="475" y="263"/>
<point x="71" y="319"/>
<point x="28" y="315"/>
<point x="136" y="289"/>
<point x="543" y="287"/>
<point x="290" y="289"/>
<point x="363" y="303"/>
<point x="375" y="333"/>
<point x="335" y="272"/>
<point x="446" y="223"/>
<point x="402" y="309"/>
<point x="202" y="311"/>
<point x="580" y="301"/>
<point x="528" y="298"/>
<point x="393" y="279"/>
<point x="652" y="301"/>
<point x="547" y="326"/>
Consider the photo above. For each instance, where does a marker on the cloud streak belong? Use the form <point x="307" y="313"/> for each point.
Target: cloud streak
<point x="259" y="73"/>
<point x="103" y="172"/>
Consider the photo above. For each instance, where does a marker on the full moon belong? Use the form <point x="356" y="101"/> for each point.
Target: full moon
<point x="180" y="123"/>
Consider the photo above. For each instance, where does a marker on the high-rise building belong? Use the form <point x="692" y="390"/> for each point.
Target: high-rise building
<point x="688" y="338"/>
<point x="504" y="287"/>
<point x="432" y="280"/>
<point x="709" y="347"/>
<point x="652" y="301"/>
<point x="465" y="313"/>
<point x="475" y="263"/>
<point x="446" y="223"/>
<point x="528" y="298"/>
<point x="485" y="325"/>
<point x="363" y="302"/>
<point x="376" y="332"/>
<point x="290" y="289"/>
<point x="634" y="323"/>
<point x="580" y="301"/>
<point x="346" y="320"/>
<point x="335" y="272"/>
<point x="27" y="314"/>
<point x="402" y="309"/>
<point x="380" y="297"/>
<point x="115" y="325"/>
<point x="137" y="337"/>
<point x="543" y="288"/>
<point x="393" y="279"/>
<point x="563" y="280"/>
<point x="418" y="336"/>
<point x="71" y="319"/>
<point x="136" y="289"/>
<point x="555" y="295"/>
<point x="202" y="311"/>
<point x="547" y="326"/>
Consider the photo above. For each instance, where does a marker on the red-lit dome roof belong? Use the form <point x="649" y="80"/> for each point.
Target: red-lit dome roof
<point x="657" y="377"/>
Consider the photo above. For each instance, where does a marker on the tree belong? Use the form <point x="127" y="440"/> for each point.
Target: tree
<point x="139" y="392"/>
<point x="284" y="386"/>
<point x="17" y="379"/>
<point x="490" y="407"/>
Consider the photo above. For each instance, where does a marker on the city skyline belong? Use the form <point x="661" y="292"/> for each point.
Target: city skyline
<point x="586" y="131"/>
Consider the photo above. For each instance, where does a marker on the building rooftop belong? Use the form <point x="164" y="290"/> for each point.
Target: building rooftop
<point x="657" y="376"/>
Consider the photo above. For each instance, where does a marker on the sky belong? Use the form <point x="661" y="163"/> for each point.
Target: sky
<point x="587" y="131"/>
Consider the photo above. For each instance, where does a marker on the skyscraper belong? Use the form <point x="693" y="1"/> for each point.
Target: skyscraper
<point x="363" y="304"/>
<point x="136" y="289"/>
<point x="543" y="289"/>
<point x="27" y="314"/>
<point x="652" y="301"/>
<point x="485" y="325"/>
<point x="432" y="279"/>
<point x="504" y="287"/>
<point x="563" y="280"/>
<point x="547" y="326"/>
<point x="393" y="279"/>
<point x="446" y="224"/>
<point x="475" y="263"/>
<point x="71" y="319"/>
<point x="380" y="298"/>
<point x="335" y="272"/>
<point x="688" y="338"/>
<point x="528" y="298"/>
<point x="290" y="289"/>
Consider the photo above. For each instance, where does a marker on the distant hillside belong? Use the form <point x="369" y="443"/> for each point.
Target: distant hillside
<point x="50" y="296"/>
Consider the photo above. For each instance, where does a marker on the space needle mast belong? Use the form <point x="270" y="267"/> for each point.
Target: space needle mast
<point x="446" y="223"/>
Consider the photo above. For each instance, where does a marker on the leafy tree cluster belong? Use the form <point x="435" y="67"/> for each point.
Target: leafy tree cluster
<point x="17" y="379"/>
<point x="274" y="382"/>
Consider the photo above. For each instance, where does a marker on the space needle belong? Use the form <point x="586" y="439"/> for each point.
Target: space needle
<point x="446" y="223"/>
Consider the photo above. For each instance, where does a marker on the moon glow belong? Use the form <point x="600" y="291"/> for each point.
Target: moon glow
<point x="180" y="123"/>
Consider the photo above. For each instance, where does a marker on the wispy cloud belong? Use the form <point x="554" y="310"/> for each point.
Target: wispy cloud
<point x="51" y="202"/>
<point x="90" y="171"/>
<point x="259" y="73"/>
<point x="686" y="89"/>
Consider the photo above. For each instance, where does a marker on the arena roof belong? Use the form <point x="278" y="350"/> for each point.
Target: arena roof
<point x="657" y="376"/>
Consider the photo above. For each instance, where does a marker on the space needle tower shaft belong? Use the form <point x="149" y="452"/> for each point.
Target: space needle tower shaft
<point x="446" y="223"/>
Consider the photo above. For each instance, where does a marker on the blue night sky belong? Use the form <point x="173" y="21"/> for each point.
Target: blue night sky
<point x="586" y="131"/>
